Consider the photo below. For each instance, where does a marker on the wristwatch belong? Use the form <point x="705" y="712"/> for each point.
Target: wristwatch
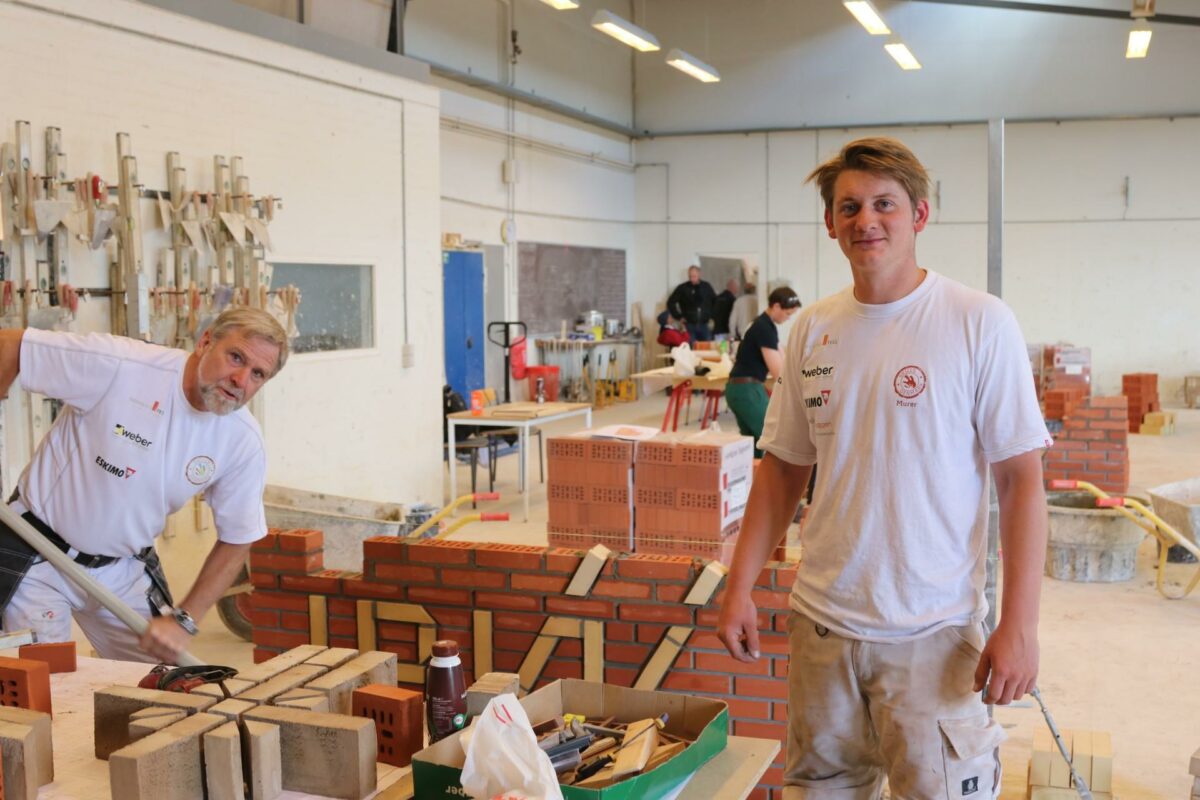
<point x="185" y="621"/>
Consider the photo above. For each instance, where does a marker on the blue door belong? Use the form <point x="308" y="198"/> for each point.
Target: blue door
<point x="462" y="299"/>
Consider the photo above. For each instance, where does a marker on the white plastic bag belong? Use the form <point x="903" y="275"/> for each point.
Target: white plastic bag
<point x="503" y="757"/>
<point x="685" y="360"/>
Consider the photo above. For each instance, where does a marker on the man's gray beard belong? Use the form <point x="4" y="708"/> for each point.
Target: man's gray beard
<point x="216" y="402"/>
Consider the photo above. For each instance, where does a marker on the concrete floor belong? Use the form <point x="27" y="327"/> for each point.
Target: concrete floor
<point x="1115" y="657"/>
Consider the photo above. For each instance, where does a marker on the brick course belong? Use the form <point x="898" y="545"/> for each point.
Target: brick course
<point x="1092" y="446"/>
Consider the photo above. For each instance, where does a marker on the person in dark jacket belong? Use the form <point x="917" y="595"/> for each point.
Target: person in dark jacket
<point x="759" y="356"/>
<point x="723" y="307"/>
<point x="692" y="303"/>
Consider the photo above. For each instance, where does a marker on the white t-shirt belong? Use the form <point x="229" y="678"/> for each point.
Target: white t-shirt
<point x="128" y="449"/>
<point x="903" y="406"/>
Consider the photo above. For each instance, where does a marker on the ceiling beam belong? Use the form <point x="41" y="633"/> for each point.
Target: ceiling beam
<point x="1077" y="11"/>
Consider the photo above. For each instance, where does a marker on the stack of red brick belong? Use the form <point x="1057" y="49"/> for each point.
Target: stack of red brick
<point x="1141" y="392"/>
<point x="1059" y="403"/>
<point x="689" y="492"/>
<point x="1093" y="445"/>
<point x="590" y="492"/>
<point x="1065" y="366"/>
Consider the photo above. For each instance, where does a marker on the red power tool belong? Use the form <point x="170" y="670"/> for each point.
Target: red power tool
<point x="183" y="679"/>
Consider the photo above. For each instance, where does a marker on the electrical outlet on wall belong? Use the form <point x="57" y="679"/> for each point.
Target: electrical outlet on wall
<point x="408" y="355"/>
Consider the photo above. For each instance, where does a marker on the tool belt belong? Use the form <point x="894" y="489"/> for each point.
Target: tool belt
<point x="17" y="556"/>
<point x="744" y="379"/>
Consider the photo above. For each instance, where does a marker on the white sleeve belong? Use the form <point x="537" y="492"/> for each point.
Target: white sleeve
<point x="237" y="501"/>
<point x="76" y="369"/>
<point x="785" y="430"/>
<point x="1008" y="421"/>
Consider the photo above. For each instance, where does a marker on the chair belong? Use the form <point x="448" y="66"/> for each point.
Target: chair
<point x="471" y="447"/>
<point x="494" y="437"/>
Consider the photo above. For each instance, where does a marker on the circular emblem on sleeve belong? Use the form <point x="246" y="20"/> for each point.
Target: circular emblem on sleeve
<point x="200" y="470"/>
<point x="909" y="382"/>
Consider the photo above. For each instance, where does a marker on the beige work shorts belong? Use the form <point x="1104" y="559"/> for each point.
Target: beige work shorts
<point x="861" y="711"/>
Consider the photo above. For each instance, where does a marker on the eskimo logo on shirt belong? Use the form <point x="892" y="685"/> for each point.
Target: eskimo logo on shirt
<point x="121" y="432"/>
<point x="200" y="470"/>
<point x="910" y="382"/>
<point x="970" y="786"/>
<point x="114" y="470"/>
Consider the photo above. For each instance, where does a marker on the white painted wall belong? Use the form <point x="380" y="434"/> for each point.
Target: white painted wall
<point x="353" y="152"/>
<point x="1080" y="265"/>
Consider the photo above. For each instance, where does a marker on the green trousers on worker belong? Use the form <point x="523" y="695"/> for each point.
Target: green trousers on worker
<point x="748" y="402"/>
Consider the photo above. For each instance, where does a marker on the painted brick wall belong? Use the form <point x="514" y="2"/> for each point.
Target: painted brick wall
<point x="1093" y="445"/>
<point x="638" y="599"/>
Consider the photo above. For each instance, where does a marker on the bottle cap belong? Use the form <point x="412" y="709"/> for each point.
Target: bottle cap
<point x="445" y="648"/>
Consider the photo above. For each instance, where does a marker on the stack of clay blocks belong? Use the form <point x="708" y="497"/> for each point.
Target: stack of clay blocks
<point x="1141" y="393"/>
<point x="589" y="492"/>
<point x="1195" y="773"/>
<point x="290" y="715"/>
<point x="1066" y="367"/>
<point x="1050" y="776"/>
<point x="1059" y="403"/>
<point x="690" y="493"/>
<point x="1093" y="446"/>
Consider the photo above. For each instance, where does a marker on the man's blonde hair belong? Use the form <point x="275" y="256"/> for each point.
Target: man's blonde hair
<point x="878" y="155"/>
<point x="253" y="322"/>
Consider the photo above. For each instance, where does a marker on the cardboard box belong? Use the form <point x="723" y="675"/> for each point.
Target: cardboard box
<point x="437" y="768"/>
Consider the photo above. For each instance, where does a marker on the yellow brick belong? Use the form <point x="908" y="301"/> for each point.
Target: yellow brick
<point x="1060" y="773"/>
<point x="1102" y="755"/>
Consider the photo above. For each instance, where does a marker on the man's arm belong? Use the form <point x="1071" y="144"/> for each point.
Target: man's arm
<point x="772" y="504"/>
<point x="164" y="638"/>
<point x="774" y="360"/>
<point x="1009" y="664"/>
<point x="673" y="303"/>
<point x="10" y="358"/>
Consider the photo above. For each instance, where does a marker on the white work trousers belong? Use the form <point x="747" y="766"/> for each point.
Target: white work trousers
<point x="45" y="601"/>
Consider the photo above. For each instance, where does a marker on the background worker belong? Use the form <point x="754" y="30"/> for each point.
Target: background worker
<point x="759" y="356"/>
<point x="692" y="303"/>
<point x="142" y="430"/>
<point x="906" y="388"/>
<point x="745" y="311"/>
<point x="723" y="307"/>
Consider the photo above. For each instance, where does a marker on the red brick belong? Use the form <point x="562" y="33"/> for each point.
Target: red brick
<point x="626" y="653"/>
<point x="341" y="608"/>
<point x="776" y="599"/>
<point x="521" y="642"/>
<point x="301" y="541"/>
<point x="705" y="640"/>
<point x="384" y="548"/>
<point x="343" y="641"/>
<point x="1089" y="413"/>
<point x="1088" y="436"/>
<point x="693" y="682"/>
<point x="507" y="600"/>
<point x="1107" y="425"/>
<point x="664" y="568"/>
<point x="1115" y="401"/>
<point x="557" y="669"/>
<point x="296" y="563"/>
<point x="668" y="593"/>
<point x="518" y="622"/>
<point x="472" y="578"/>
<point x="405" y="652"/>
<point x="340" y="626"/>
<point x="569" y="648"/>
<point x="684" y="660"/>
<point x="620" y="676"/>
<point x="772" y="688"/>
<point x="559" y="559"/>
<point x="430" y="594"/>
<point x="579" y="608"/>
<point x="264" y="580"/>
<point x="749" y="709"/>
<point x="441" y="552"/>
<point x="549" y="584"/>
<point x="358" y="587"/>
<point x="712" y="662"/>
<point x="293" y="621"/>
<point x="503" y="661"/>
<point x="451" y="617"/>
<point x="280" y="639"/>
<point x="268" y="543"/>
<point x="651" y="634"/>
<point x="284" y="602"/>
<point x="1066" y="444"/>
<point x="678" y="615"/>
<point x="59" y="656"/>
<point x="610" y="587"/>
<point x="402" y="573"/>
<point x="327" y="582"/>
<point x="780" y="712"/>
<point x="774" y="643"/>
<point x="397" y="631"/>
<point x="510" y="556"/>
<point x="399" y="720"/>
<point x="760" y="730"/>
<point x="263" y="618"/>
<point x="262" y="654"/>
<point x="618" y="632"/>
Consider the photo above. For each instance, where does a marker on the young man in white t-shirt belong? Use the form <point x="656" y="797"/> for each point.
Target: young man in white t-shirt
<point x="907" y="388"/>
<point x="143" y="429"/>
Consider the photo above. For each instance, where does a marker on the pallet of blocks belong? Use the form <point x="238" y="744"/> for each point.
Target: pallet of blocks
<point x="1195" y="773"/>
<point x="589" y="492"/>
<point x="1065" y="366"/>
<point x="690" y="493"/>
<point x="1050" y="775"/>
<point x="1158" y="423"/>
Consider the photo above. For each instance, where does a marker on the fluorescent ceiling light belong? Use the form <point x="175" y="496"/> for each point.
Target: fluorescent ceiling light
<point x="1139" y="43"/>
<point x="561" y="5"/>
<point x="903" y="56"/>
<point x="685" y="62"/>
<point x="867" y="16"/>
<point x="624" y="31"/>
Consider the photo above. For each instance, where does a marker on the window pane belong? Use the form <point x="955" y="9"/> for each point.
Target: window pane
<point x="336" y="305"/>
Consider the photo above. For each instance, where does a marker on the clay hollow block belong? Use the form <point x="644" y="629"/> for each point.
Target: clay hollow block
<point x="59" y="655"/>
<point x="399" y="721"/>
<point x="323" y="754"/>
<point x="370" y="667"/>
<point x="151" y="720"/>
<point x="166" y="765"/>
<point x="43" y="741"/>
<point x="18" y="755"/>
<point x="25" y="683"/>
<point x="223" y="763"/>
<point x="114" y="705"/>
<point x="285" y="681"/>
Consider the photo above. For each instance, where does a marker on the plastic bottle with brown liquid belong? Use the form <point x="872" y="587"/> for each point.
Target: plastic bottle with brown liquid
<point x="445" y="691"/>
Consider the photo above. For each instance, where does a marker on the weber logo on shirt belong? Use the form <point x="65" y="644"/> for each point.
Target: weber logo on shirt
<point x="121" y="432"/>
<point x="114" y="470"/>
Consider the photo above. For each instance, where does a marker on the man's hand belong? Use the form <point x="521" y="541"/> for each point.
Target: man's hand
<point x="1009" y="664"/>
<point x="165" y="639"/>
<point x="737" y="626"/>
